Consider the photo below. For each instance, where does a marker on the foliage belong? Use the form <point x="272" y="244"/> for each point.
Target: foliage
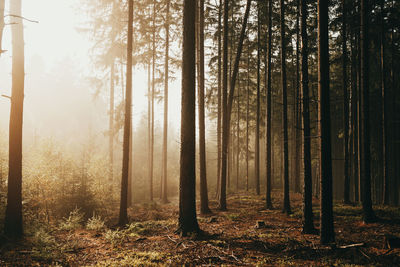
<point x="73" y="222"/>
<point x="95" y="223"/>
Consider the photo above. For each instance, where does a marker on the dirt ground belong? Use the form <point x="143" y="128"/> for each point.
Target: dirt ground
<point x="231" y="239"/>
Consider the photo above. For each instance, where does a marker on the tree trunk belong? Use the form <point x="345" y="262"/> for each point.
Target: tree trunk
<point x="153" y="88"/>
<point x="164" y="196"/>
<point x="308" y="222"/>
<point x="346" y="196"/>
<point x="366" y="201"/>
<point x="238" y="141"/>
<point x="187" y="222"/>
<point x="227" y="103"/>
<point x="247" y="116"/>
<point x="268" y="200"/>
<point x="204" y="209"/>
<point x="286" y="198"/>
<point x="123" y="215"/>
<point x="219" y="122"/>
<point x="385" y="112"/>
<point x="297" y="108"/>
<point x="257" y="133"/>
<point x="327" y="234"/>
<point x="13" y="218"/>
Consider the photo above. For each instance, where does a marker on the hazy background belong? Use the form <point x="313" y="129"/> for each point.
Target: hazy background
<point x="59" y="100"/>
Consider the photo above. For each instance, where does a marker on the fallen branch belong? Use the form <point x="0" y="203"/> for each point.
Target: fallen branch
<point x="352" y="245"/>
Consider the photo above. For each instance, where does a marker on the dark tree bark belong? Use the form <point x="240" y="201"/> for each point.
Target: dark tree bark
<point x="286" y="198"/>
<point x="268" y="200"/>
<point x="238" y="141"/>
<point x="13" y="227"/>
<point x="187" y="183"/>
<point x="368" y="213"/>
<point x="247" y="116"/>
<point x="225" y="128"/>
<point x="227" y="105"/>
<point x="204" y="209"/>
<point x="354" y="118"/>
<point x="297" y="101"/>
<point x="385" y="112"/>
<point x="257" y="133"/>
<point x="164" y="196"/>
<point x="327" y="234"/>
<point x="219" y="120"/>
<point x="346" y="196"/>
<point x="308" y="221"/>
<point x="123" y="215"/>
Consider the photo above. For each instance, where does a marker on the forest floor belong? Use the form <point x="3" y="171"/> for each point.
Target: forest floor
<point x="232" y="239"/>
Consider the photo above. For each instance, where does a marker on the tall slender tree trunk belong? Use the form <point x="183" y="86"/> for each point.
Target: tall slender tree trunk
<point x="354" y="117"/>
<point x="308" y="221"/>
<point x="165" y="131"/>
<point x="247" y="116"/>
<point x="219" y="119"/>
<point x="286" y="199"/>
<point x="153" y="88"/>
<point x="268" y="200"/>
<point x="204" y="209"/>
<point x="13" y="218"/>
<point x="327" y="233"/>
<point x="385" y="111"/>
<point x="228" y="102"/>
<point x="225" y="128"/>
<point x="257" y="133"/>
<point x="111" y="123"/>
<point x="297" y="107"/>
<point x="366" y="201"/>
<point x="149" y="128"/>
<point x="238" y="141"/>
<point x="346" y="196"/>
<point x="123" y="214"/>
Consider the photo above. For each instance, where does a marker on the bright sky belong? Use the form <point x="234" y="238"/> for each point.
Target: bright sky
<point x="57" y="63"/>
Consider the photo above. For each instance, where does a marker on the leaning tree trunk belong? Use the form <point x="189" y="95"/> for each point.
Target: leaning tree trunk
<point x="286" y="199"/>
<point x="227" y="105"/>
<point x="366" y="200"/>
<point x="327" y="233"/>
<point x="308" y="222"/>
<point x="268" y="201"/>
<point x="123" y="215"/>
<point x="204" y="209"/>
<point x="164" y="194"/>
<point x="187" y="222"/>
<point x="13" y="217"/>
